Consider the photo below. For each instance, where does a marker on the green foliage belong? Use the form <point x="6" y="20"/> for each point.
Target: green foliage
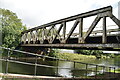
<point x="117" y="55"/>
<point x="53" y="52"/>
<point x="74" y="57"/>
<point x="11" y="28"/>
<point x="116" y="70"/>
<point x="71" y="56"/>
<point x="97" y="53"/>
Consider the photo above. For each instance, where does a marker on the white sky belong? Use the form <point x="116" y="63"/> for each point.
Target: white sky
<point x="37" y="12"/>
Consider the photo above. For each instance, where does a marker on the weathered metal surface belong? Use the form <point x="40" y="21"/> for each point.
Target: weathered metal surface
<point x="57" y="33"/>
<point x="108" y="31"/>
<point x="77" y="46"/>
<point x="97" y="19"/>
<point x="41" y="35"/>
<point x="115" y="19"/>
<point x="104" y="37"/>
<point x="64" y="30"/>
<point x="72" y="29"/>
<point x="80" y="30"/>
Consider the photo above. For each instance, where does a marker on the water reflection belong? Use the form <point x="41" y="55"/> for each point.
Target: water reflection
<point x="25" y="69"/>
<point x="65" y="72"/>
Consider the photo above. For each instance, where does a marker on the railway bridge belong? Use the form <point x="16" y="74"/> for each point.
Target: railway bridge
<point x="70" y="32"/>
<point x="59" y="34"/>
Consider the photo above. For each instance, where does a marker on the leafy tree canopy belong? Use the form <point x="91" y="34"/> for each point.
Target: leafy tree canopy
<point x="11" y="28"/>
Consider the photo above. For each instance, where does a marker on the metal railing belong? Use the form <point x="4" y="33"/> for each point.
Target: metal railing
<point x="35" y="64"/>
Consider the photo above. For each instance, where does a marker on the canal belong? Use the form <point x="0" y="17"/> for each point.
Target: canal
<point x="68" y="72"/>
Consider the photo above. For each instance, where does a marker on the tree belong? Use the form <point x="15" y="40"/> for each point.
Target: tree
<point x="11" y="28"/>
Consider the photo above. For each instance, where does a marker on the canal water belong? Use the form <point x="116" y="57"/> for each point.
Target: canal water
<point x="71" y="70"/>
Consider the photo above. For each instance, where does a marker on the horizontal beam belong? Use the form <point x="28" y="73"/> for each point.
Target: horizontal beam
<point x="77" y="46"/>
<point x="108" y="31"/>
<point x="83" y="15"/>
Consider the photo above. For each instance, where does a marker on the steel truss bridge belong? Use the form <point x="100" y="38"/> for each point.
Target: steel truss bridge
<point x="54" y="34"/>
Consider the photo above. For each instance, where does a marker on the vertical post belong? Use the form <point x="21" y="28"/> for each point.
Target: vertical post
<point x="52" y="33"/>
<point x="96" y="72"/>
<point x="43" y="34"/>
<point x="86" y="69"/>
<point x="25" y="38"/>
<point x="109" y="71"/>
<point x="57" y="67"/>
<point x="64" y="30"/>
<point x="114" y="71"/>
<point x="36" y="35"/>
<point x="74" y="69"/>
<point x="35" y="71"/>
<point x="80" y="30"/>
<point x="31" y="37"/>
<point x="104" y="71"/>
<point x="104" y="37"/>
<point x="28" y="38"/>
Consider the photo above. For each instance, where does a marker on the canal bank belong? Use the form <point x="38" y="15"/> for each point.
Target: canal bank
<point x="107" y="76"/>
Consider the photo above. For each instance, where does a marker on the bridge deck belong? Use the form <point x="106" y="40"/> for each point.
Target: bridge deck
<point x="93" y="42"/>
<point x="77" y="46"/>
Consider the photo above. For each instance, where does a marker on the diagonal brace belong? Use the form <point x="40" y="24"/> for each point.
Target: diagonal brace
<point x="73" y="28"/>
<point x="97" y="19"/>
<point x="114" y="19"/>
<point x="57" y="33"/>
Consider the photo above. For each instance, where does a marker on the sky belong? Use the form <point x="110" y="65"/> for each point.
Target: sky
<point x="37" y="12"/>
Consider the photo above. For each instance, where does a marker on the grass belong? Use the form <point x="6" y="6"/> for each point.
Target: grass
<point x="118" y="56"/>
<point x="74" y="57"/>
<point x="116" y="71"/>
